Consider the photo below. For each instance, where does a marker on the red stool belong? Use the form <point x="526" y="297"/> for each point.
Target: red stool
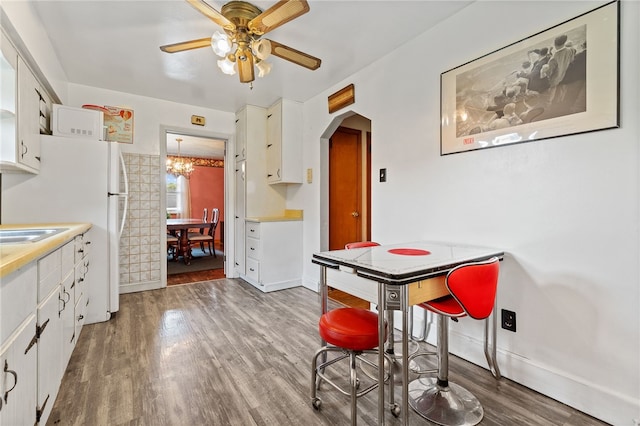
<point x="473" y="289"/>
<point x="351" y="332"/>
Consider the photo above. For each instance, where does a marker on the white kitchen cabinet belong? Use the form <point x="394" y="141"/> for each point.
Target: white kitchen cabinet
<point x="284" y="142"/>
<point x="50" y="365"/>
<point x="41" y="315"/>
<point x="67" y="314"/>
<point x="238" y="247"/>
<point x="241" y="135"/>
<point x="81" y="276"/>
<point x="18" y="298"/>
<point x="274" y="254"/>
<point x="18" y="375"/>
<point x="49" y="331"/>
<point x="28" y="141"/>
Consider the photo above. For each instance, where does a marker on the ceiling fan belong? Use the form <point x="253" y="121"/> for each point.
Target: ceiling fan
<point x="241" y="45"/>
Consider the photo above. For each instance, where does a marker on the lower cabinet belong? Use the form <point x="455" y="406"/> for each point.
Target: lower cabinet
<point x="67" y="316"/>
<point x="18" y="376"/>
<point x="273" y="254"/>
<point x="50" y="365"/>
<point x="42" y="311"/>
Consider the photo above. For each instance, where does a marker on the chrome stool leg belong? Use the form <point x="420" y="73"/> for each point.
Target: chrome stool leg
<point x="441" y="401"/>
<point x="393" y="349"/>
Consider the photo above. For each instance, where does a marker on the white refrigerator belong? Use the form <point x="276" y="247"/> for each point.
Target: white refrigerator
<point x="79" y="181"/>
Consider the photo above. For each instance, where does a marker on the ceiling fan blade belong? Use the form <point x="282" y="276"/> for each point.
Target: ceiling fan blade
<point x="295" y="56"/>
<point x="245" y="67"/>
<point x="278" y="14"/>
<point x="212" y="14"/>
<point x="186" y="45"/>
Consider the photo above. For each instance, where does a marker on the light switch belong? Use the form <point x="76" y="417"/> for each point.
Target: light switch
<point x="383" y="175"/>
<point x="309" y="175"/>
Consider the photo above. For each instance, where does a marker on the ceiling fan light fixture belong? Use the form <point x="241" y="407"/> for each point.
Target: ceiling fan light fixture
<point x="220" y="44"/>
<point x="261" y="48"/>
<point x="227" y="66"/>
<point x="264" y="68"/>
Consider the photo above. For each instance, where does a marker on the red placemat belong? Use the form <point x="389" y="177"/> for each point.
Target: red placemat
<point x="409" y="252"/>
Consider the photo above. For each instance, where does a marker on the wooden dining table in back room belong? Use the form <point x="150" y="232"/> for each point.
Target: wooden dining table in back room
<point x="180" y="227"/>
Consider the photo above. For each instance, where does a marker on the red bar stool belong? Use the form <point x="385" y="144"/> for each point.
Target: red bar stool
<point x="473" y="289"/>
<point x="351" y="332"/>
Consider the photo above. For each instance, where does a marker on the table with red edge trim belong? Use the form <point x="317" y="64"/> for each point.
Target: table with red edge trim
<point x="403" y="275"/>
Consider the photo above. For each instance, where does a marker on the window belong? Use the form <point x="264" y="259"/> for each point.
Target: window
<point x="172" y="194"/>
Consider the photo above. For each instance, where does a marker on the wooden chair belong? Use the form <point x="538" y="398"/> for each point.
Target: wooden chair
<point x="172" y="246"/>
<point x="209" y="237"/>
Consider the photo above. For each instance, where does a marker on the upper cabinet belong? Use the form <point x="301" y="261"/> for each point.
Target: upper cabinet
<point x="24" y="113"/>
<point x="284" y="142"/>
<point x="241" y="135"/>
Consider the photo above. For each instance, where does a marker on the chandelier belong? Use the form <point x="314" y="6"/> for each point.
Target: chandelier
<point x="179" y="166"/>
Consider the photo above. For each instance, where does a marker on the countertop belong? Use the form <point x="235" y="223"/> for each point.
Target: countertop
<point x="288" y="215"/>
<point x="15" y="256"/>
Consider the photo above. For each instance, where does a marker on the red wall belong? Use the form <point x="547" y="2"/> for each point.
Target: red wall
<point x="207" y="190"/>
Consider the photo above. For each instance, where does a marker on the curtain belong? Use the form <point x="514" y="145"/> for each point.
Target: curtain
<point x="184" y="198"/>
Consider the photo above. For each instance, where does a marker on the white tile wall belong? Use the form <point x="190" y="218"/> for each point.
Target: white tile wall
<point x="140" y="251"/>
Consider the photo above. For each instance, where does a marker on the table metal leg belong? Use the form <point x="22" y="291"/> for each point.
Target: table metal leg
<point x="404" y="409"/>
<point x="381" y="349"/>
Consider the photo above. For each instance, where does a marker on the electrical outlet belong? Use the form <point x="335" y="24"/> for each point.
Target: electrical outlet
<point x="509" y="320"/>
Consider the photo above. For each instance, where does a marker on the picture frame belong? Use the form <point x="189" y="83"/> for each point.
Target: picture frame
<point x="119" y="124"/>
<point x="540" y="87"/>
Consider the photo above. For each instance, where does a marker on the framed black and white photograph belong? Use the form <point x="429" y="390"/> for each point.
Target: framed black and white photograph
<point x="561" y="81"/>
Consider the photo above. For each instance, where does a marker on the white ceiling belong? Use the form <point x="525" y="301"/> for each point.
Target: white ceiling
<point x="115" y="45"/>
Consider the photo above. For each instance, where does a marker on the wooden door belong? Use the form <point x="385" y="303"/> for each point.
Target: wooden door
<point x="345" y="187"/>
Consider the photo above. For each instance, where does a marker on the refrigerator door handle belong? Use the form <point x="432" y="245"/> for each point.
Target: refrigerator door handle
<point x="125" y="195"/>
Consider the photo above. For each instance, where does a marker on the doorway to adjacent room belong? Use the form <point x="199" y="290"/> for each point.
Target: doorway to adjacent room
<point x="190" y="195"/>
<point x="349" y="190"/>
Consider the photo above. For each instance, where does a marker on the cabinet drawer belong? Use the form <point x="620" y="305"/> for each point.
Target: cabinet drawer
<point x="68" y="258"/>
<point x="79" y="311"/>
<point x="80" y="275"/>
<point x="253" y="269"/>
<point x="253" y="230"/>
<point x="18" y="298"/>
<point x="253" y="248"/>
<point x="48" y="274"/>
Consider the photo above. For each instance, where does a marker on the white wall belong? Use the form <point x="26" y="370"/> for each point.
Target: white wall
<point x="565" y="210"/>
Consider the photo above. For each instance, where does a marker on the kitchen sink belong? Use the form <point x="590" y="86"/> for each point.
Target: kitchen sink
<point x="16" y="236"/>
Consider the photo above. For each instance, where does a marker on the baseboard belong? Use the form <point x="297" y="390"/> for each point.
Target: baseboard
<point x="282" y="285"/>
<point x="605" y="404"/>
<point x="312" y="285"/>
<point x="135" y="287"/>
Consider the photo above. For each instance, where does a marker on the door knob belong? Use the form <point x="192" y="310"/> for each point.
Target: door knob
<point x="355" y="214"/>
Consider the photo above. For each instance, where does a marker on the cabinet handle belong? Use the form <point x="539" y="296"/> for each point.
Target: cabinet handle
<point x="269" y="145"/>
<point x="15" y="379"/>
<point x="269" y="116"/>
<point x="42" y="327"/>
<point x="80" y="317"/>
<point x="252" y="249"/>
<point x="65" y="292"/>
<point x="25" y="149"/>
<point x="38" y="158"/>
<point x="269" y="175"/>
<point x="251" y="269"/>
<point x="64" y="305"/>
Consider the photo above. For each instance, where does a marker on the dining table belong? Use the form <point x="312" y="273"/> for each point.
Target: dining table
<point x="180" y="228"/>
<point x="396" y="277"/>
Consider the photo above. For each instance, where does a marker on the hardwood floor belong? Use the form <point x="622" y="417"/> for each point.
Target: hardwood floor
<point x="223" y="353"/>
